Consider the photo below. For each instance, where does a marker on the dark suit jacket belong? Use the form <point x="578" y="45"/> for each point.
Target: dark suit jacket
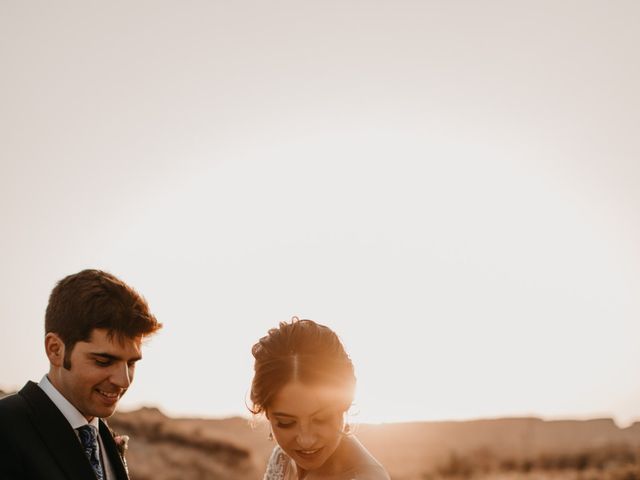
<point x="37" y="442"/>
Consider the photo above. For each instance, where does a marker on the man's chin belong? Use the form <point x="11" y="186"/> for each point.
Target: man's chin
<point x="108" y="413"/>
<point x="101" y="411"/>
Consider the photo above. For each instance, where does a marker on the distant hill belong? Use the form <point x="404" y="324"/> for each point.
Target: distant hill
<point x="410" y="449"/>
<point x="164" y="448"/>
<point x="407" y="450"/>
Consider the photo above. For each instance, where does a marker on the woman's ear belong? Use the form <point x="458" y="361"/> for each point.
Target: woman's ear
<point x="54" y="348"/>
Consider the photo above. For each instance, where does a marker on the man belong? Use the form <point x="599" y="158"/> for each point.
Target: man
<point x="53" y="430"/>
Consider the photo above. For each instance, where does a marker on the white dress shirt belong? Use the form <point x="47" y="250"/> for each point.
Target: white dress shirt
<point x="76" y="420"/>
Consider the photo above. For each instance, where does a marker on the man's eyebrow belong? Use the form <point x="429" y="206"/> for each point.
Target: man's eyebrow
<point x="115" y="358"/>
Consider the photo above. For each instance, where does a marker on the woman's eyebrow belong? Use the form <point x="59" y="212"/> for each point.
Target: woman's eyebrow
<point x="288" y="415"/>
<point x="282" y="414"/>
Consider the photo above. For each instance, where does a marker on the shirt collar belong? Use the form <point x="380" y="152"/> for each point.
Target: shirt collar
<point x="71" y="413"/>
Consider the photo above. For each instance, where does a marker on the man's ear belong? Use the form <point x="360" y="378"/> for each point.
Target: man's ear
<point x="54" y="347"/>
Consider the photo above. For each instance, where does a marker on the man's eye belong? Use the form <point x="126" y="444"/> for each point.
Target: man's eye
<point x="103" y="363"/>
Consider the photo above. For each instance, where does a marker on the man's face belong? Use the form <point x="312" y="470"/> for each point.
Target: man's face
<point x="101" y="371"/>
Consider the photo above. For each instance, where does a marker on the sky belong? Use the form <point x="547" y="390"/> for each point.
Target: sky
<point x="451" y="186"/>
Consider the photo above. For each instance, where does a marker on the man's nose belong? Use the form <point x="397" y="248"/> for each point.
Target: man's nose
<point x="121" y="376"/>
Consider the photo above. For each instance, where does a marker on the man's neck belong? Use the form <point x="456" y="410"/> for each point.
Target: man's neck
<point x="64" y="404"/>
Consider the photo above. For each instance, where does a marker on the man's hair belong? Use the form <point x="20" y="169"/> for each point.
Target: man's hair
<point x="91" y="299"/>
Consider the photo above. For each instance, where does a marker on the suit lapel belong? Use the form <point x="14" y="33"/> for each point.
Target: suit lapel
<point x="56" y="433"/>
<point x="111" y="450"/>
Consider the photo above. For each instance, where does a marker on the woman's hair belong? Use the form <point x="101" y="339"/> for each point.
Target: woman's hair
<point x="303" y="351"/>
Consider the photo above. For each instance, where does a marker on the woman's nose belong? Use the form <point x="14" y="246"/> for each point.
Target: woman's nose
<point x="306" y="439"/>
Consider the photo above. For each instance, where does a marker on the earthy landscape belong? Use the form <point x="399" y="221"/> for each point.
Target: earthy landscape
<point x="165" y="448"/>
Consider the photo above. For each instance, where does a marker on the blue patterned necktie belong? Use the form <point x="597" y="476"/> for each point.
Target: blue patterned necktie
<point x="89" y="439"/>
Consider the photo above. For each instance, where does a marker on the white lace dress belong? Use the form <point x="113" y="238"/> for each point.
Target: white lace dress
<point x="280" y="466"/>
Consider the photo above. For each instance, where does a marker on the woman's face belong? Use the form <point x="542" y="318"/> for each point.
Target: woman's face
<point x="307" y="424"/>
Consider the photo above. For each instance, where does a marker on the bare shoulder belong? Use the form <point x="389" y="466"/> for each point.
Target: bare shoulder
<point x="372" y="472"/>
<point x="367" y="467"/>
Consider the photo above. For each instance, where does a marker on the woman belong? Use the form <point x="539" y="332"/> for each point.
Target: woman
<point x="304" y="384"/>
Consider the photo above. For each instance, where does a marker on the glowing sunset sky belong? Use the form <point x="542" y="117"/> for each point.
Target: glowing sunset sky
<point x="454" y="187"/>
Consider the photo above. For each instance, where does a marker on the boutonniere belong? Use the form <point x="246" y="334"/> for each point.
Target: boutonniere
<point x="122" y="444"/>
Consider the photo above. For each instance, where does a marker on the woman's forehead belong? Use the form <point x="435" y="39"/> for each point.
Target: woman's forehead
<point x="300" y="400"/>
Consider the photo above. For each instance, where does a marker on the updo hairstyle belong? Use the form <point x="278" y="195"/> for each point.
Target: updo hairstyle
<point x="303" y="351"/>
